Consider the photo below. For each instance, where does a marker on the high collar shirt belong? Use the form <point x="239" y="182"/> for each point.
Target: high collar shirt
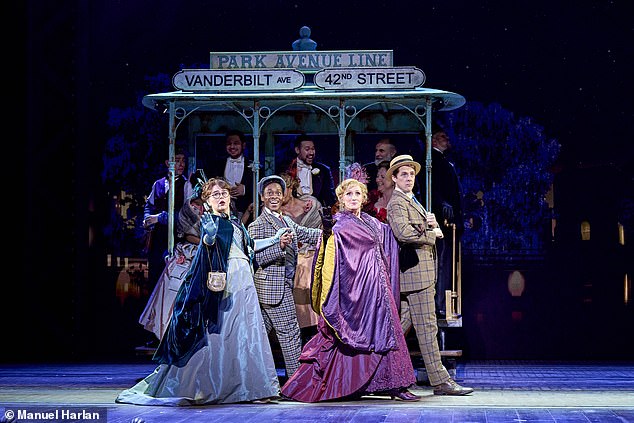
<point x="234" y="170"/>
<point x="304" y="173"/>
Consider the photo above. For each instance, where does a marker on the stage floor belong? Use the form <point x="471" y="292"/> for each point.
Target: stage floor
<point x="506" y="391"/>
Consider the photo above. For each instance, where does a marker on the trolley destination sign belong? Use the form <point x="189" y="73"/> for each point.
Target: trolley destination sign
<point x="370" y="78"/>
<point x="237" y="80"/>
<point x="308" y="61"/>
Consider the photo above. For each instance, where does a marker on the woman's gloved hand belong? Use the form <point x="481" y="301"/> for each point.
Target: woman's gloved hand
<point x="209" y="228"/>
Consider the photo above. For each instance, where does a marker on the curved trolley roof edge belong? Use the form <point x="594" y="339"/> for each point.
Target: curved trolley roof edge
<point x="209" y="101"/>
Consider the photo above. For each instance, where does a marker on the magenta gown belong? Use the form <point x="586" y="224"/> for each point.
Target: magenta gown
<point x="360" y="347"/>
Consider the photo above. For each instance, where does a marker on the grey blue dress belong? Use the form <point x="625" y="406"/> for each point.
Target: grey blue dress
<point x="232" y="361"/>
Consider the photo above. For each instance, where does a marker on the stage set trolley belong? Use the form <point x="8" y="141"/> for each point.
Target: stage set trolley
<point x="313" y="91"/>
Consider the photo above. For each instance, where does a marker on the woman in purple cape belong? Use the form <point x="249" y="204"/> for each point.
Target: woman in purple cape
<point x="360" y="348"/>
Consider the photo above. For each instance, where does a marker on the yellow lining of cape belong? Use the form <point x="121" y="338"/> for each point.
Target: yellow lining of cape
<point x="324" y="273"/>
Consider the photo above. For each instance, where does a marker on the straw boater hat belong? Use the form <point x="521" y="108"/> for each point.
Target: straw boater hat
<point x="264" y="182"/>
<point x="402" y="160"/>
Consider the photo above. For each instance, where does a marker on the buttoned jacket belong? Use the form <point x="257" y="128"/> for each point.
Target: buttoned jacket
<point x="445" y="188"/>
<point x="409" y="225"/>
<point x="323" y="185"/>
<point x="270" y="275"/>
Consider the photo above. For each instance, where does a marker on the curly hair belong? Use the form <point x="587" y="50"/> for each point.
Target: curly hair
<point x="208" y="186"/>
<point x="292" y="183"/>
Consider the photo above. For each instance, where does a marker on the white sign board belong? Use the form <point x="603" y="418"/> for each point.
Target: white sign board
<point x="301" y="60"/>
<point x="238" y="80"/>
<point x="370" y="78"/>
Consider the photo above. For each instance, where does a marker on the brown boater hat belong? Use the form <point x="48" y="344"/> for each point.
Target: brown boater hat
<point x="402" y="160"/>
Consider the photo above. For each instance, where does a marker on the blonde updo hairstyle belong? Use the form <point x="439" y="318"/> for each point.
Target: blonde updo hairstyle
<point x="347" y="183"/>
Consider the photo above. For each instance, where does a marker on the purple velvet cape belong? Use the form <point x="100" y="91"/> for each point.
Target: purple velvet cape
<point x="366" y="270"/>
<point x="360" y="346"/>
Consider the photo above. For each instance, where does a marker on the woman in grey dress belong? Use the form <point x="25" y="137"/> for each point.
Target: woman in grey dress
<point x="216" y="349"/>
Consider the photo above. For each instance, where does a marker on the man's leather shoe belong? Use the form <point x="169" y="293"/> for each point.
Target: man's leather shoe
<point x="451" y="388"/>
<point x="405" y="395"/>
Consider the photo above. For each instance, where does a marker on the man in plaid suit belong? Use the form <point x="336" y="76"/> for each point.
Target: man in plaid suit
<point x="276" y="269"/>
<point x="416" y="231"/>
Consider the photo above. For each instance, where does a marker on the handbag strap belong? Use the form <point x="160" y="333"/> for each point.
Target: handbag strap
<point x="222" y="269"/>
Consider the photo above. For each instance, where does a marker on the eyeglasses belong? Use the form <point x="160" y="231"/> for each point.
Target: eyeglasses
<point x="220" y="194"/>
<point x="273" y="194"/>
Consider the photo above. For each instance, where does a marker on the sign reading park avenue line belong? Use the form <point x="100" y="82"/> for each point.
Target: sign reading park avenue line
<point x="284" y="71"/>
<point x="238" y="80"/>
<point x="307" y="61"/>
<point x="370" y="78"/>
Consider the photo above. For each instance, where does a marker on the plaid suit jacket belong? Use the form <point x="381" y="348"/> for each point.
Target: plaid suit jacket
<point x="270" y="275"/>
<point x="408" y="222"/>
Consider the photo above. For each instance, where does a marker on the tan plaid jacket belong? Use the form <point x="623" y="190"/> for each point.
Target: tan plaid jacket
<point x="408" y="222"/>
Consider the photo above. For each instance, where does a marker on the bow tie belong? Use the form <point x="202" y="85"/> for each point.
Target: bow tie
<point x="303" y="166"/>
<point x="235" y="160"/>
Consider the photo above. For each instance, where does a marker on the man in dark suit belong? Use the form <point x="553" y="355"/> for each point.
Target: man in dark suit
<point x="315" y="177"/>
<point x="446" y="203"/>
<point x="417" y="231"/>
<point x="155" y="214"/>
<point x="236" y="170"/>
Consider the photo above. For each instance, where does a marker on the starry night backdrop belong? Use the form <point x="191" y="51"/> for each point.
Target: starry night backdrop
<point x="549" y="101"/>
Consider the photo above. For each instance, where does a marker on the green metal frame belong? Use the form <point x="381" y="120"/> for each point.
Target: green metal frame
<point x="361" y="111"/>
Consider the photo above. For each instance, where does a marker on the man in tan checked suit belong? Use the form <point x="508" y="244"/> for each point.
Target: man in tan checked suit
<point x="413" y="227"/>
<point x="276" y="269"/>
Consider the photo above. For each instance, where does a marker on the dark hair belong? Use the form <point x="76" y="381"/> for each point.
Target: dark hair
<point x="384" y="164"/>
<point x="240" y="135"/>
<point x="437" y="126"/>
<point x="435" y="129"/>
<point x="180" y="149"/>
<point x="302" y="137"/>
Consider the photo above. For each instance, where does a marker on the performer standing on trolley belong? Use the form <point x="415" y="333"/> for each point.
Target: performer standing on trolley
<point x="446" y="204"/>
